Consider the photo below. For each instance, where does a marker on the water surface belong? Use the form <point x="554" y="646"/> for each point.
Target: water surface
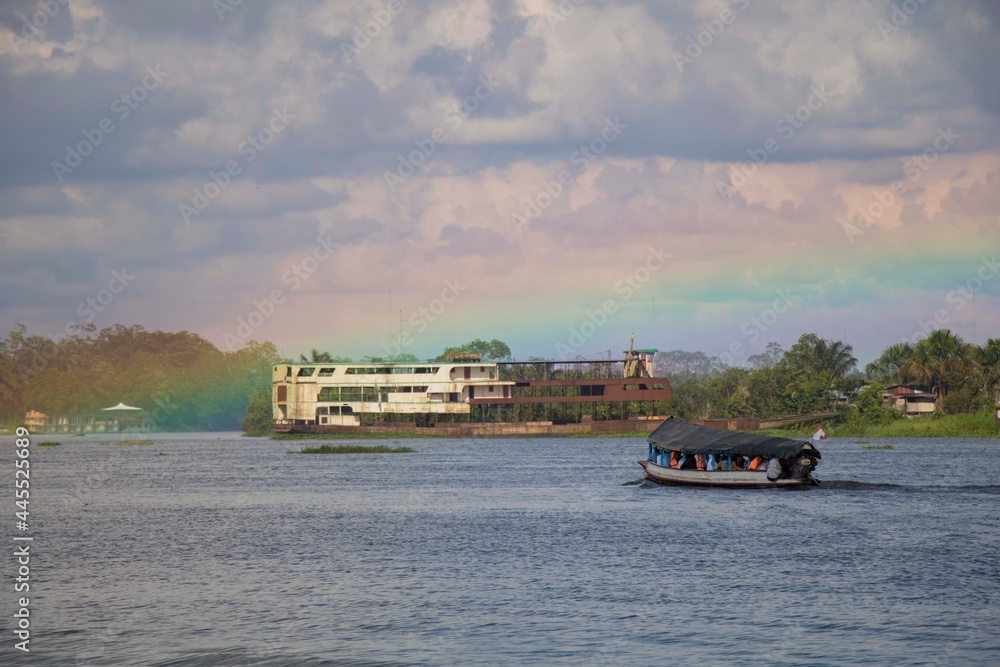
<point x="212" y="549"/>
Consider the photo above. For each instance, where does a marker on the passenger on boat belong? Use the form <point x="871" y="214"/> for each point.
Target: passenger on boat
<point x="687" y="462"/>
<point x="675" y="459"/>
<point x="758" y="463"/>
<point x="739" y="462"/>
<point x="776" y="469"/>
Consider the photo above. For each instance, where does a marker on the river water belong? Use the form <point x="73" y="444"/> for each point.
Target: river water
<point x="212" y="549"/>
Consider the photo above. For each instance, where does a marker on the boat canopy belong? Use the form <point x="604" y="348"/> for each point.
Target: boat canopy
<point x="682" y="436"/>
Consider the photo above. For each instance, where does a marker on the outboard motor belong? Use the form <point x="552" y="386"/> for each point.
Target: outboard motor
<point x="806" y="464"/>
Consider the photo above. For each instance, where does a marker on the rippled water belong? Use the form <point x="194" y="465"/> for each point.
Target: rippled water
<point x="211" y="549"/>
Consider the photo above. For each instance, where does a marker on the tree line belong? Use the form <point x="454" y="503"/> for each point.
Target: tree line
<point x="187" y="383"/>
<point x="817" y="374"/>
<point x="181" y="379"/>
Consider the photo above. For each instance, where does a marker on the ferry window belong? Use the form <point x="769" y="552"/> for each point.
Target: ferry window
<point x="432" y="370"/>
<point x="420" y="389"/>
<point x="362" y="371"/>
<point x="592" y="390"/>
<point x="453" y="397"/>
<point x="402" y="371"/>
<point x="657" y="386"/>
<point x="288" y="371"/>
<point x="328" y="394"/>
<point x="306" y="372"/>
<point x="350" y="393"/>
<point x="326" y="372"/>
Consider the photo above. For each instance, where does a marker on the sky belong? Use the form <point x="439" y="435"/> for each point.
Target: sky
<point x="382" y="177"/>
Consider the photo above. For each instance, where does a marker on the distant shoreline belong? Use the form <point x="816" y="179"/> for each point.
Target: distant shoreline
<point x="979" y="425"/>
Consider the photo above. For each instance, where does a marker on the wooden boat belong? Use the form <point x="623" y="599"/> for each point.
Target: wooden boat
<point x="683" y="453"/>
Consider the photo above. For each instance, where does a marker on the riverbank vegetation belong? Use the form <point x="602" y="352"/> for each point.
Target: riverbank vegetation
<point x="186" y="383"/>
<point x="181" y="379"/>
<point x="978" y="425"/>
<point x="818" y="375"/>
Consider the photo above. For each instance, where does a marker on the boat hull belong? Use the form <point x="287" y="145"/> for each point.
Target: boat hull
<point x="740" y="479"/>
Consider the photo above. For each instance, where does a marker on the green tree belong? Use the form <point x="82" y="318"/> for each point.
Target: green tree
<point x="317" y="357"/>
<point x="494" y="350"/>
<point x="828" y="360"/>
<point x="769" y="358"/>
<point x="937" y="361"/>
<point x="259" y="417"/>
<point x="870" y="404"/>
<point x="887" y="367"/>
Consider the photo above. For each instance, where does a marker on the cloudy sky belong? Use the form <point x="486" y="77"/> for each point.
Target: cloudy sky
<point x="710" y="175"/>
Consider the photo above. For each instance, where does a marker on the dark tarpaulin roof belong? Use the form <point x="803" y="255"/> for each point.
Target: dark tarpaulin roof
<point x="687" y="437"/>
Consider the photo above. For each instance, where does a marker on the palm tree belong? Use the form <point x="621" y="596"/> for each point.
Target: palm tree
<point x="830" y="360"/>
<point x="989" y="354"/>
<point x="316" y="357"/>
<point x="885" y="369"/>
<point x="988" y="357"/>
<point x="934" y="358"/>
<point x="836" y="359"/>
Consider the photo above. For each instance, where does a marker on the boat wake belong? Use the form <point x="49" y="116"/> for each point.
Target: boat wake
<point x="852" y="485"/>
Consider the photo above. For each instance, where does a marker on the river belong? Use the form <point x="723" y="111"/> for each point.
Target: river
<point x="213" y="549"/>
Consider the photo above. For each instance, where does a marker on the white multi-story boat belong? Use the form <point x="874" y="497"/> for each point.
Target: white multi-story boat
<point x="340" y="394"/>
<point x="469" y="396"/>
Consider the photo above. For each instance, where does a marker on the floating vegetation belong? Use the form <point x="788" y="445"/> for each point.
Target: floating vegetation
<point x="863" y="442"/>
<point x="356" y="449"/>
<point x="49" y="444"/>
<point x="876" y="446"/>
